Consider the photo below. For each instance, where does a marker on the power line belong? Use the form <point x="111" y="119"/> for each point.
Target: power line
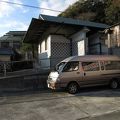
<point x="13" y="3"/>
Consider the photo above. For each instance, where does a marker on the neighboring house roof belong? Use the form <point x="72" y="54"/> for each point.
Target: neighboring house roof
<point x="16" y="32"/>
<point x="13" y="36"/>
<point x="39" y="26"/>
<point x="6" y="51"/>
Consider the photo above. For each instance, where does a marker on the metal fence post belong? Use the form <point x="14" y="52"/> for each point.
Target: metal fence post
<point x="5" y="71"/>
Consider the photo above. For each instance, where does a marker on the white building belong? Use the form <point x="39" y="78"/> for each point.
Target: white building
<point x="113" y="39"/>
<point x="59" y="37"/>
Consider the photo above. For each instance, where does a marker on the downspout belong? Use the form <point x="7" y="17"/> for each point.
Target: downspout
<point x="71" y="47"/>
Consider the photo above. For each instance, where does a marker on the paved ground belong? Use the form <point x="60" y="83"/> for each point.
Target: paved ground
<point x="89" y="104"/>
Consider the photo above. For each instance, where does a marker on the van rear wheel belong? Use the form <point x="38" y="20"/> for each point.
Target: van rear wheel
<point x="114" y="84"/>
<point x="72" y="88"/>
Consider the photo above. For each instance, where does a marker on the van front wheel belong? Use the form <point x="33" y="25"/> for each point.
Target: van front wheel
<point x="72" y="88"/>
<point x="114" y="84"/>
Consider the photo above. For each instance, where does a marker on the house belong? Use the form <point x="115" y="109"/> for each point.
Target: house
<point x="8" y="54"/>
<point x="113" y="39"/>
<point x="12" y="39"/>
<point x="58" y="38"/>
<point x="5" y="54"/>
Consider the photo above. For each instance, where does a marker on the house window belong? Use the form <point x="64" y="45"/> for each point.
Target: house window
<point x="16" y="45"/>
<point x="5" y="44"/>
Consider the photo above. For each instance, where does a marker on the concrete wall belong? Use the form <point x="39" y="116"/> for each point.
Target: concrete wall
<point x="94" y="46"/>
<point x="24" y="82"/>
<point x="114" y="40"/>
<point x="79" y="43"/>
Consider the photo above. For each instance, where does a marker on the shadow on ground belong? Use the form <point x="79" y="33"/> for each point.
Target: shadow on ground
<point x="99" y="91"/>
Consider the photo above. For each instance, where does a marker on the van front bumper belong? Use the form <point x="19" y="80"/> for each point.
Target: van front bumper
<point x="53" y="85"/>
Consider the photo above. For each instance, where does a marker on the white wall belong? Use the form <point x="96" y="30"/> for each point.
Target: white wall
<point x="115" y="40"/>
<point x="44" y="55"/>
<point x="58" y="48"/>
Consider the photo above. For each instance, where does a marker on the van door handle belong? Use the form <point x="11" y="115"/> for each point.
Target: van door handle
<point x="78" y="72"/>
<point x="84" y="74"/>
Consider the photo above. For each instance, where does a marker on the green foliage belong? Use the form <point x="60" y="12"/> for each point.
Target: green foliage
<point x="103" y="11"/>
<point x="26" y="47"/>
<point x="113" y="11"/>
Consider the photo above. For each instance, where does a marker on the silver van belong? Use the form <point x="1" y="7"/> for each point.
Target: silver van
<point x="82" y="71"/>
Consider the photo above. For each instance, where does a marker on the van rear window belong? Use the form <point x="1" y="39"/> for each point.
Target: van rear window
<point x="90" y="66"/>
<point x="112" y="65"/>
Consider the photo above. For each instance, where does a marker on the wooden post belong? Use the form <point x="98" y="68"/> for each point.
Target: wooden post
<point x="33" y="50"/>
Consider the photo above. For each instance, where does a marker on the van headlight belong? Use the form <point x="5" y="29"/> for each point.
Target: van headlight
<point x="56" y="79"/>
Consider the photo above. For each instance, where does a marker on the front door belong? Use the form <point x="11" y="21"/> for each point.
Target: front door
<point x="71" y="72"/>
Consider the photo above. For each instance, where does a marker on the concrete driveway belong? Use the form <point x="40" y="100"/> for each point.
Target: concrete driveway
<point x="89" y="104"/>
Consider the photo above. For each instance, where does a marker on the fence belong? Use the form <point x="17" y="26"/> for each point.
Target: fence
<point x="12" y="66"/>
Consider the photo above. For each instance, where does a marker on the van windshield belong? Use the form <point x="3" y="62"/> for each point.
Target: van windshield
<point x="60" y="66"/>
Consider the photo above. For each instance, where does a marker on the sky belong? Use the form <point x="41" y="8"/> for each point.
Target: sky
<point x="18" y="18"/>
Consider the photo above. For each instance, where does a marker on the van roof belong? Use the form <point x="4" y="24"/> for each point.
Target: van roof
<point x="91" y="58"/>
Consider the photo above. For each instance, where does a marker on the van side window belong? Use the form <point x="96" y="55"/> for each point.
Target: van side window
<point x="112" y="65"/>
<point x="102" y="65"/>
<point x="90" y="66"/>
<point x="71" y="66"/>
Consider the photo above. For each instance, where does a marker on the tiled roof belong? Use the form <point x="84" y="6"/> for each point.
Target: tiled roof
<point x="72" y="21"/>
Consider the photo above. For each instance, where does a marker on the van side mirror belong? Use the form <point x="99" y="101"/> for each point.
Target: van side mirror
<point x="54" y="68"/>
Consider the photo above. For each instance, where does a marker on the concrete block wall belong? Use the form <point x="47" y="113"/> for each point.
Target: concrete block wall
<point x="60" y="49"/>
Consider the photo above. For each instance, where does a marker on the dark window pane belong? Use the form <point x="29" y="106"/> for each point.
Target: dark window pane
<point x="16" y="45"/>
<point x="4" y="44"/>
<point x="112" y="65"/>
<point x="71" y="66"/>
<point x="45" y="44"/>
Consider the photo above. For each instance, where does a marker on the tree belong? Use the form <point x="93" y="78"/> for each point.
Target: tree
<point x="26" y="47"/>
<point x="103" y="11"/>
<point x="112" y="11"/>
